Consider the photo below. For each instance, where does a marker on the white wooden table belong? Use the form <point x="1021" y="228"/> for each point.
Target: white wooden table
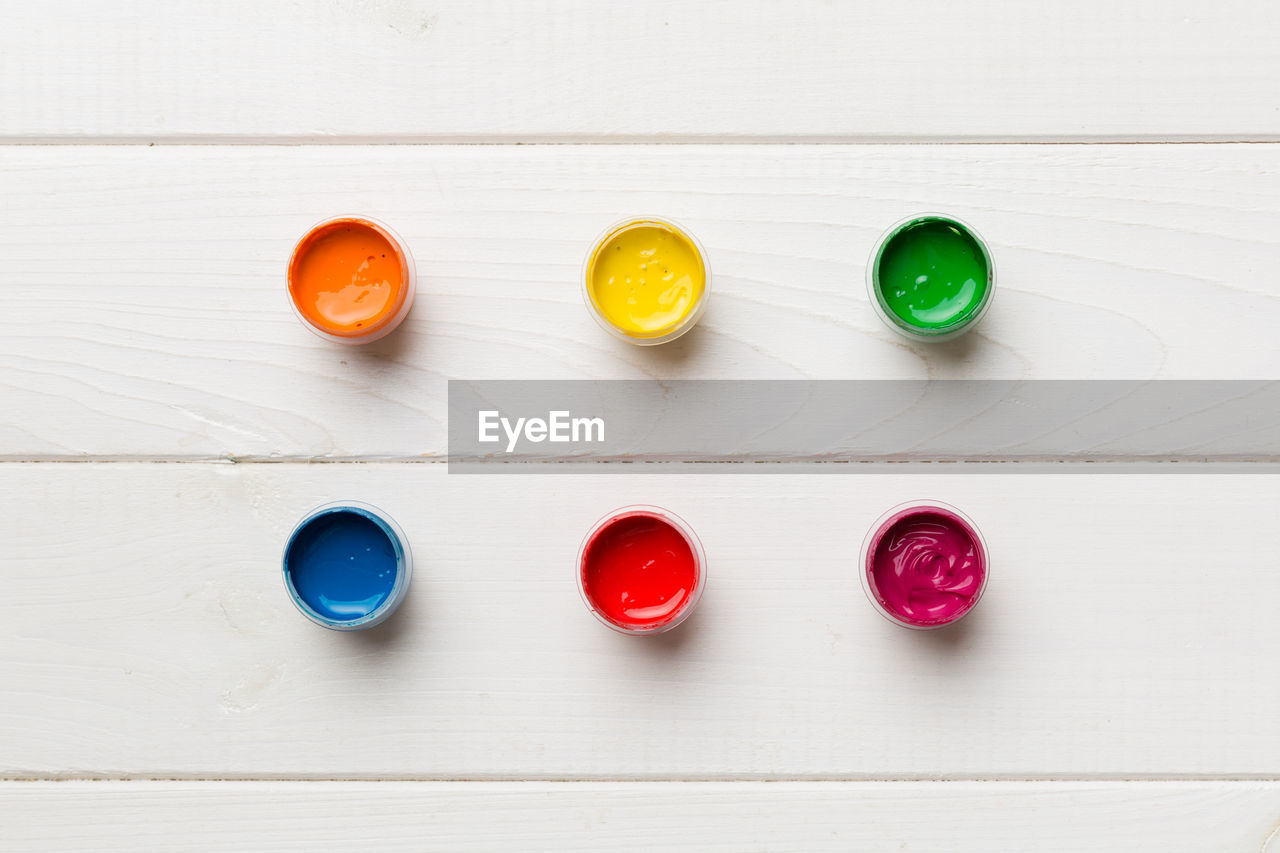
<point x="161" y="411"/>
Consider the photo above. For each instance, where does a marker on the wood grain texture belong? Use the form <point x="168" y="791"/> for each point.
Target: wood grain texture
<point x="656" y="70"/>
<point x="150" y="318"/>
<point x="957" y="817"/>
<point x="1127" y="632"/>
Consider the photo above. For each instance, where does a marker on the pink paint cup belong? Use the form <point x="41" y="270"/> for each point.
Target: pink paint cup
<point x="924" y="565"/>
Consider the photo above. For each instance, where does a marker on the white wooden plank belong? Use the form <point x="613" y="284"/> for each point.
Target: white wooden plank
<point x="1227" y="817"/>
<point x="653" y="70"/>
<point x="1127" y="632"/>
<point x="149" y="315"/>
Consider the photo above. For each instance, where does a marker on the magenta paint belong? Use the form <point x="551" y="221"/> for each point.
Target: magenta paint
<point x="924" y="564"/>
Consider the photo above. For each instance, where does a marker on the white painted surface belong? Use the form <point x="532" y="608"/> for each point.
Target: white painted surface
<point x="148" y="634"/>
<point x="657" y="69"/>
<point x="954" y="817"/>
<point x="152" y="321"/>
<point x="1127" y="631"/>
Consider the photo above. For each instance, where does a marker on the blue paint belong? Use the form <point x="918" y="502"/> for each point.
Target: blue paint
<point x="346" y="567"/>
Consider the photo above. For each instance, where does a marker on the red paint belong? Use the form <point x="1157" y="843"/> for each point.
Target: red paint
<point x="926" y="566"/>
<point x="639" y="571"/>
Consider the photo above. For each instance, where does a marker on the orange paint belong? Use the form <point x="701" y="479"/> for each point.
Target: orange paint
<point x="349" y="278"/>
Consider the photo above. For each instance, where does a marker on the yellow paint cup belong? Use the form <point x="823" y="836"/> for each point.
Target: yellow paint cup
<point x="646" y="280"/>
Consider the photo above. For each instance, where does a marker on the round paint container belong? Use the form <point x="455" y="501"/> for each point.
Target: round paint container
<point x="646" y="280"/>
<point x="931" y="277"/>
<point x="351" y="280"/>
<point x="347" y="566"/>
<point x="924" y="565"/>
<point x="641" y="570"/>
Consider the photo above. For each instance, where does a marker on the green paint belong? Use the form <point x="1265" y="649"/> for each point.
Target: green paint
<point x="932" y="276"/>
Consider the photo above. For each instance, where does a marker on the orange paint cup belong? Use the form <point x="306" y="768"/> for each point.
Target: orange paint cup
<point x="351" y="280"/>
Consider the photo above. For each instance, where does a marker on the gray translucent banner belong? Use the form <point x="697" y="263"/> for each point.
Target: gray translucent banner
<point x="495" y="424"/>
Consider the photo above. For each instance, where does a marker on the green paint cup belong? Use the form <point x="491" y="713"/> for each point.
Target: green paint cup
<point x="931" y="277"/>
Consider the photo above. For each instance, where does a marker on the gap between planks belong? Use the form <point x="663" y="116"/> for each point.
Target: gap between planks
<point x="199" y="140"/>
<point x="691" y="779"/>
<point x="976" y="465"/>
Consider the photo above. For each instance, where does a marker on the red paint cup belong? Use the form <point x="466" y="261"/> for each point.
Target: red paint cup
<point x="641" y="570"/>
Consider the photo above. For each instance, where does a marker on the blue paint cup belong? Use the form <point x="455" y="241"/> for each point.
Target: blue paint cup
<point x="347" y="566"/>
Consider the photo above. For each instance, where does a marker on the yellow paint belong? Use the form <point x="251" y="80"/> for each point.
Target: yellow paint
<point x="646" y="278"/>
